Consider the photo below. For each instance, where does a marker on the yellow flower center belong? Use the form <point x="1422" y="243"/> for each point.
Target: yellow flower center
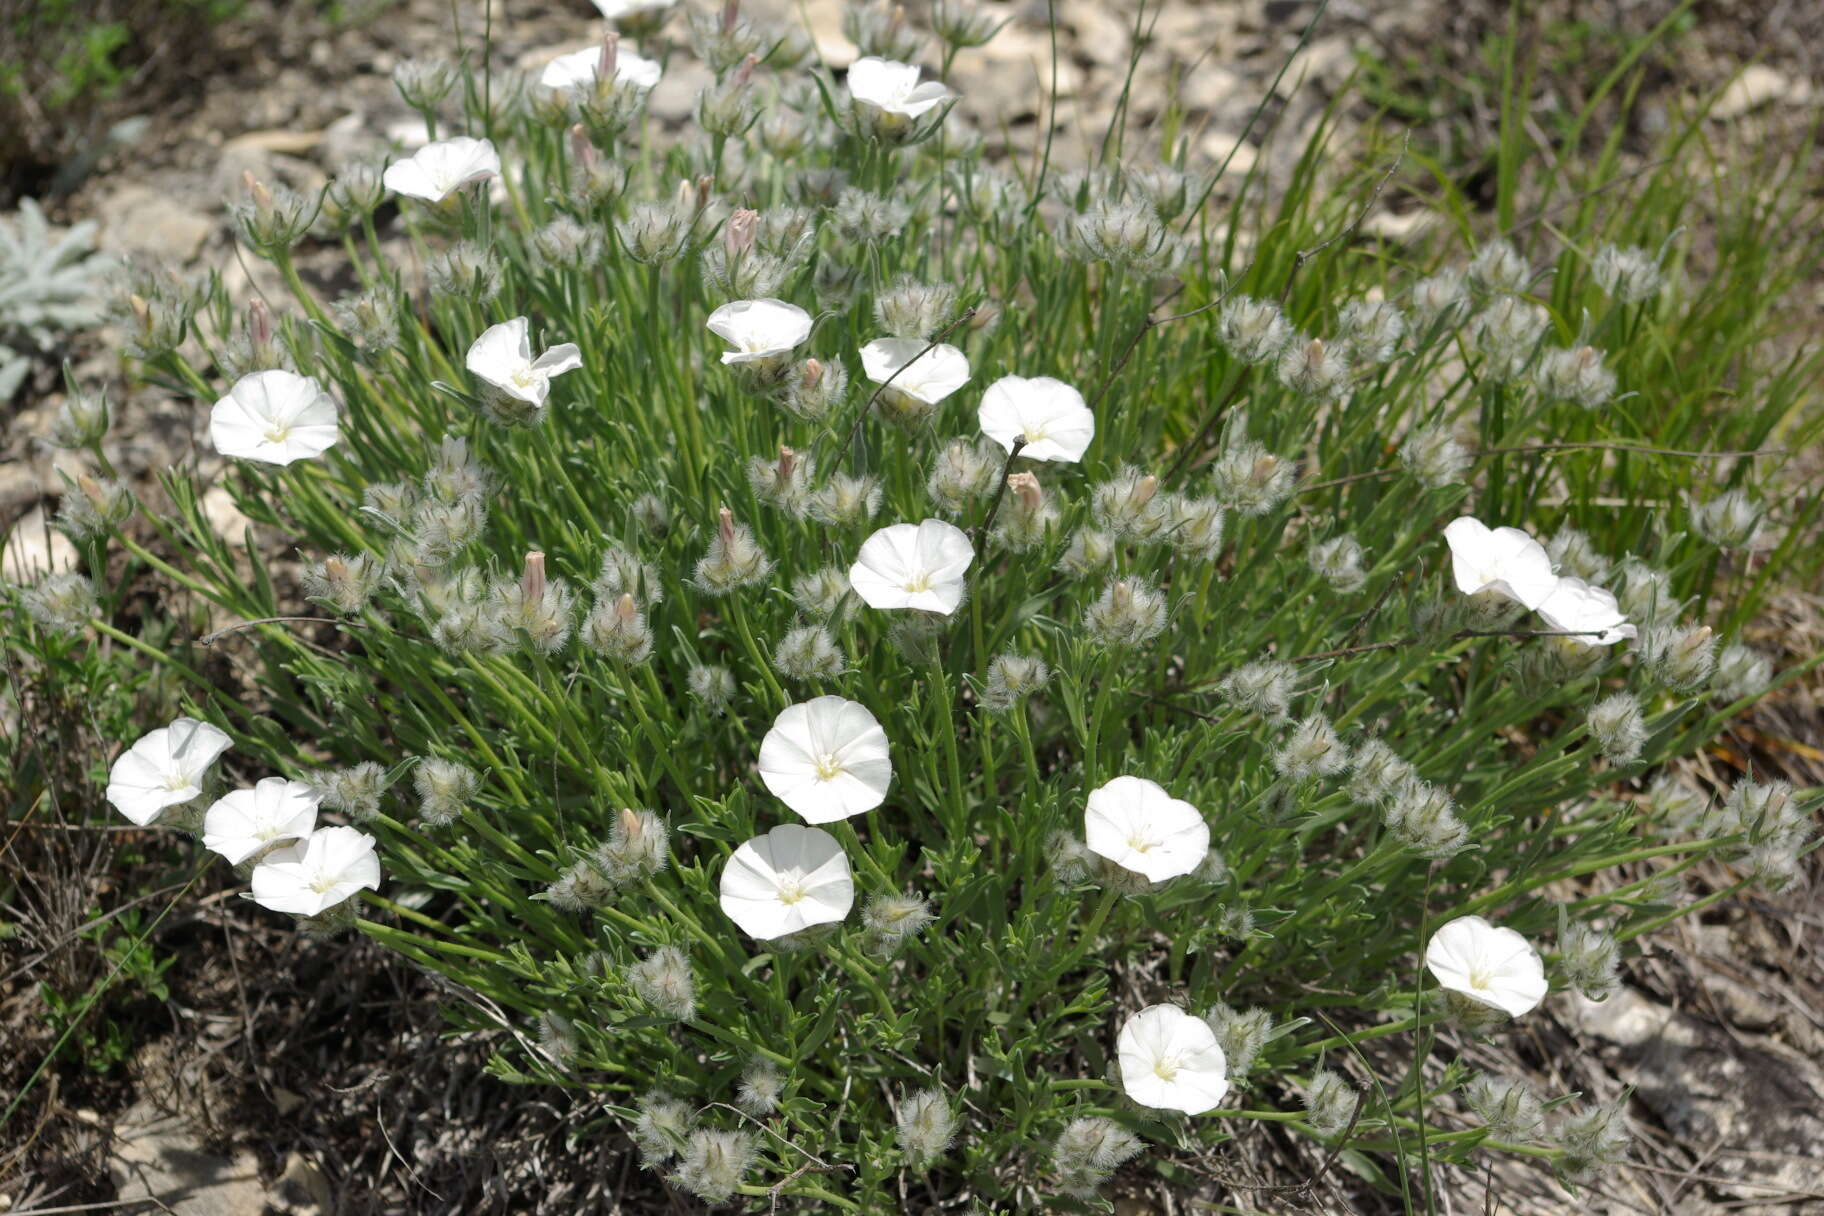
<point x="828" y="767"/>
<point x="278" y="432"/>
<point x="791" y="890"/>
<point x="918" y="583"/>
<point x="1166" y="1068"/>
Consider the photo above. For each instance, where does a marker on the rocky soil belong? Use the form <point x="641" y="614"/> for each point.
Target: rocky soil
<point x="316" y="1076"/>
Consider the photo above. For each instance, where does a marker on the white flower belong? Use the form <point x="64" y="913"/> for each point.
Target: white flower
<point x="789" y="879"/>
<point x="1493" y="967"/>
<point x="503" y="357"/>
<point x="759" y="329"/>
<point x="929" y="377"/>
<point x="165" y="768"/>
<point x="615" y="10"/>
<point x="276" y="417"/>
<point x="894" y="88"/>
<point x="826" y="759"/>
<point x="578" y="70"/>
<point x="1137" y="825"/>
<point x="1049" y="414"/>
<point x="913" y="566"/>
<point x="1503" y="560"/>
<point x="240" y="824"/>
<point x="436" y="170"/>
<point x="317" y="873"/>
<point x="1576" y="607"/>
<point x="1171" y="1061"/>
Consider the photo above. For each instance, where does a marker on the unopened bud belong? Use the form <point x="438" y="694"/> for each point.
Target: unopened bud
<point x="532" y="580"/>
<point x="738" y="233"/>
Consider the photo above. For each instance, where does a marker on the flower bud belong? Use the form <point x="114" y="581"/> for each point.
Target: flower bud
<point x="273" y="218"/>
<point x="652" y="516"/>
<point x="784" y="483"/>
<point x="370" y="319"/>
<point x="355" y="193"/>
<point x="809" y="652"/>
<point x="964" y="472"/>
<point x="1011" y="679"/>
<point x="1678" y="805"/>
<point x="638" y="846"/>
<point x="1130" y="505"/>
<point x="879" y="28"/>
<point x="1577" y="376"/>
<point x="910" y="309"/>
<point x="846" y="500"/>
<point x="926" y="1125"/>
<point x="762" y="1086"/>
<point x="1251" y="480"/>
<point x="713" y="1164"/>
<point x="1313" y="749"/>
<point x="734" y="559"/>
<point x="93" y="506"/>
<point x="1433" y="455"/>
<point x="1241" y="1033"/>
<point x="1627" y="275"/>
<point x="343" y="581"/>
<point x="1498" y="267"/>
<point x="728" y="107"/>
<point x="1377" y="773"/>
<point x="1128" y="613"/>
<point x="1731" y="520"/>
<point x="664" y="982"/>
<point x="1742" y="672"/>
<point x="445" y="789"/>
<point x="1508" y="1107"/>
<point x="566" y="245"/>
<point x="663" y="1126"/>
<point x="1088" y="1151"/>
<point x="1338" y="561"/>
<point x="1573" y="552"/>
<point x="820" y="594"/>
<point x="1196" y="528"/>
<point x="466" y="271"/>
<point x="1645" y="594"/>
<point x="423" y="83"/>
<point x="1313" y="368"/>
<point x="1423" y="818"/>
<point x="714" y="686"/>
<point x="1592" y="1138"/>
<point x="1126" y="233"/>
<point x="1681" y="657"/>
<point x="1590" y="961"/>
<point x="1263" y="688"/>
<point x="1618" y="728"/>
<point x="1330" y="1103"/>
<point x="893" y="920"/>
<point x="617" y="630"/>
<point x="1440" y="300"/>
<point x="557" y="1036"/>
<point x="861" y="217"/>
<point x="812" y="388"/>
<point x="1089" y="550"/>
<point x="63" y="602"/>
<point x="82" y="421"/>
<point x="1028" y="518"/>
<point x="1506" y="334"/>
<point x="1371" y="330"/>
<point x="354" y="791"/>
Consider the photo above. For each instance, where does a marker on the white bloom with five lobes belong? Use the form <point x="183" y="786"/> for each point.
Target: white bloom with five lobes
<point x="1491" y="966"/>
<point x="826" y="759"/>
<point x="1048" y="414"/>
<point x="579" y="69"/>
<point x="503" y="357"/>
<point x="1171" y="1061"/>
<point x="759" y="329"/>
<point x="437" y="170"/>
<point x="913" y="566"/>
<point x="242" y="823"/>
<point x="894" y="88"/>
<point x="1503" y="560"/>
<point x="317" y="873"/>
<point x="275" y="417"/>
<point x="929" y="376"/>
<point x="1137" y="825"/>
<point x="789" y="879"/>
<point x="164" y="768"/>
<point x="1576" y="607"/>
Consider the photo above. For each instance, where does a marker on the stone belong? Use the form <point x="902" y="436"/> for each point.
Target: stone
<point x="1758" y="85"/>
<point x="301" y="1189"/>
<point x="33" y="549"/>
<point x="159" y="1157"/>
<point x="145" y="224"/>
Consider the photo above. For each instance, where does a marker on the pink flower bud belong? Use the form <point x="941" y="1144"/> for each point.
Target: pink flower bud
<point x="725" y="526"/>
<point x="1027" y="489"/>
<point x="611" y="52"/>
<point x="259" y="322"/>
<point x="788" y="460"/>
<point x="738" y="235"/>
<point x="581" y="150"/>
<point x="731" y="13"/>
<point x="532" y="582"/>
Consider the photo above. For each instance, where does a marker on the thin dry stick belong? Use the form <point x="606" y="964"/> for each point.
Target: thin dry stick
<point x="1000" y="492"/>
<point x="1361" y="217"/>
<point x="210" y="639"/>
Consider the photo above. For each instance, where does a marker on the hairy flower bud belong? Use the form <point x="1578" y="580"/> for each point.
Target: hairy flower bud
<point x="445" y="789"/>
<point x="734" y="559"/>
<point x="1338" y="562"/>
<point x="714" y="686"/>
<point x="1573" y="552"/>
<point x="762" y="1085"/>
<point x="1590" y="961"/>
<point x="1263" y="688"/>
<point x="1128" y="613"/>
<point x="1628" y="275"/>
<point x="617" y="630"/>
<point x="1130" y="505"/>
<point x="664" y="982"/>
<point x="964" y="472"/>
<point x="910" y="309"/>
<point x="272" y="219"/>
<point x="926" y="1125"/>
<point x="423" y="83"/>
<point x="1423" y="818"/>
<point x="1508" y="1107"/>
<point x="1028" y="518"/>
<point x="1682" y="657"/>
<point x="1507" y="334"/>
<point x="1330" y="1102"/>
<point x="809" y="652"/>
<point x="1313" y="368"/>
<point x="1372" y="330"/>
<point x="1242" y="1033"/>
<point x="660" y="1131"/>
<point x="1498" y="267"/>
<point x="713" y="1164"/>
<point x="1089" y="550"/>
<point x="63" y="602"/>
<point x="638" y="846"/>
<point x="354" y="791"/>
<point x="811" y="388"/>
<point x="1441" y="300"/>
<point x="1251" y="480"/>
<point x="81" y="422"/>
<point x="1618" y="727"/>
<point x="1742" y="672"/>
<point x="1433" y="455"/>
<point x="1575" y="375"/>
<point x="1731" y="520"/>
<point x="1011" y="679"/>
<point x="1088" y="1151"/>
<point x="93" y="506"/>
<point x="466" y="271"/>
<point x="1592" y="1138"/>
<point x="1313" y="749"/>
<point x="1377" y="773"/>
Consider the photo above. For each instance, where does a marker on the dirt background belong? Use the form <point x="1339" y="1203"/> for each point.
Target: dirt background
<point x="306" y="1076"/>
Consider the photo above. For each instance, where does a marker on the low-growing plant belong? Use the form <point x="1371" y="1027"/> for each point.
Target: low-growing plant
<point x="900" y="677"/>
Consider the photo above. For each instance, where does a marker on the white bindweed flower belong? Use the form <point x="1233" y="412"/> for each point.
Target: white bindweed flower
<point x="1048" y="414"/>
<point x="1491" y="966"/>
<point x="1137" y="825"/>
<point x="618" y="10"/>
<point x="437" y="170"/>
<point x="913" y="566"/>
<point x="242" y="823"/>
<point x="317" y="873"/>
<point x="1171" y="1061"/>
<point x="579" y="70"/>
<point x="275" y="417"/>
<point x="893" y="88"/>
<point x="164" y="768"/>
<point x="1576" y="607"/>
<point x="826" y="759"/>
<point x="759" y="329"/>
<point x="792" y="878"/>
<point x="926" y="377"/>
<point x="503" y="357"/>
<point x="1503" y="560"/>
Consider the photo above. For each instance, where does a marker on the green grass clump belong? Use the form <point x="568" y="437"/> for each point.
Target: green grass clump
<point x="546" y="636"/>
